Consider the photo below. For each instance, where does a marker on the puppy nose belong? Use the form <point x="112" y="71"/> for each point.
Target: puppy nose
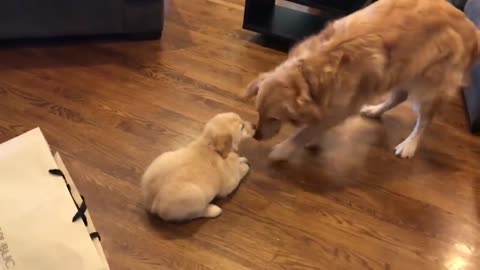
<point x="254" y="126"/>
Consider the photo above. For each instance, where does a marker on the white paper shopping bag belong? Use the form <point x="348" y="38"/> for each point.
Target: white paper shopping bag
<point x="78" y="200"/>
<point x="37" y="231"/>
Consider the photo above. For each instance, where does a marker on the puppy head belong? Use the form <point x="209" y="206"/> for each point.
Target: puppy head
<point x="225" y="131"/>
<point x="296" y="92"/>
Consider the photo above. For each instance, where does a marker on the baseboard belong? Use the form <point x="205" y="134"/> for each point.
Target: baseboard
<point x="144" y="36"/>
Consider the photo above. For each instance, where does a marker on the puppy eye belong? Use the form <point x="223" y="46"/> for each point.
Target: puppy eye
<point x="242" y="126"/>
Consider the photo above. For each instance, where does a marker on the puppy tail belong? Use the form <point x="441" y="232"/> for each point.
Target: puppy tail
<point x="153" y="202"/>
<point x="212" y="211"/>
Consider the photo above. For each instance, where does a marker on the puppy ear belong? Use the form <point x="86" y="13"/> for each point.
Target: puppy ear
<point x="223" y="144"/>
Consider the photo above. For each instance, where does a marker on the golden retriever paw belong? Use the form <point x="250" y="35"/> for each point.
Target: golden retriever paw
<point x="372" y="111"/>
<point x="406" y="149"/>
<point x="281" y="152"/>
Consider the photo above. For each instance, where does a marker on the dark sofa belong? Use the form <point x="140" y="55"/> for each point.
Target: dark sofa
<point x="24" y="19"/>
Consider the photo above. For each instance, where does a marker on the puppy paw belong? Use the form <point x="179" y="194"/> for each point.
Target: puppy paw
<point x="406" y="149"/>
<point x="371" y="111"/>
<point x="233" y="156"/>
<point x="212" y="211"/>
<point x="244" y="168"/>
<point x="243" y="160"/>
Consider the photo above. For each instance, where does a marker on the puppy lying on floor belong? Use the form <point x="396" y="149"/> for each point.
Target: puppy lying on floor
<point x="181" y="185"/>
<point x="412" y="49"/>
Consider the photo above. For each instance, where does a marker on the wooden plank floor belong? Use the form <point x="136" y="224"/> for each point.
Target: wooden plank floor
<point x="111" y="107"/>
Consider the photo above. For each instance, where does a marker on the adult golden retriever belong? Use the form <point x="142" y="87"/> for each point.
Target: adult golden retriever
<point x="413" y="49"/>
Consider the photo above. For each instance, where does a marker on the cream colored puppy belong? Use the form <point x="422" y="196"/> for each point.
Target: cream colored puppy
<point x="181" y="185"/>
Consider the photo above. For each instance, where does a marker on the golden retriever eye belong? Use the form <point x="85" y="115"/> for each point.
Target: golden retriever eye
<point x="273" y="119"/>
<point x="293" y="121"/>
<point x="242" y="126"/>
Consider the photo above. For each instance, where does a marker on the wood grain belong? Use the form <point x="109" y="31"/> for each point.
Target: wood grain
<point x="110" y="107"/>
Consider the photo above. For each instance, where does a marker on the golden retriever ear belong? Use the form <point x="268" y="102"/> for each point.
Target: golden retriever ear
<point x="310" y="110"/>
<point x="337" y="59"/>
<point x="223" y="144"/>
<point x="317" y="89"/>
<point x="304" y="99"/>
<point x="307" y="100"/>
<point x="307" y="83"/>
<point x="253" y="87"/>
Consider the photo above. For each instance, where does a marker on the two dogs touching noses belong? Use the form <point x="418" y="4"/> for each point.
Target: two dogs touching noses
<point x="395" y="47"/>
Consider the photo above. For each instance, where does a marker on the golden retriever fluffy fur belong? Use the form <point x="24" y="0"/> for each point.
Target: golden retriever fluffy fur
<point x="181" y="185"/>
<point x="413" y="49"/>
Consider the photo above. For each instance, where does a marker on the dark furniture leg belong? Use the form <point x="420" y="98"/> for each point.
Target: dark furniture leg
<point x="472" y="93"/>
<point x="264" y="17"/>
<point x="267" y="18"/>
<point x="472" y="101"/>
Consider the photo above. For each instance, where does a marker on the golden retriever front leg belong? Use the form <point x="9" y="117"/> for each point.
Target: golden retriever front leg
<point x="376" y="111"/>
<point x="425" y="112"/>
<point x="285" y="149"/>
<point x="237" y="169"/>
<point x="305" y="136"/>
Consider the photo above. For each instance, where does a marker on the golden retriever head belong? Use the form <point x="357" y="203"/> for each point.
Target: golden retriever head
<point x="296" y="92"/>
<point x="225" y="131"/>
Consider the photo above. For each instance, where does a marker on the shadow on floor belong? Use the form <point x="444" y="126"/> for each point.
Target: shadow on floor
<point x="359" y="152"/>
